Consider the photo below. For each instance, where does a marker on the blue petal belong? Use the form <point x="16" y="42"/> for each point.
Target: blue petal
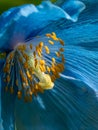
<point x="73" y="8"/>
<point x="71" y="105"/>
<point x="81" y="50"/>
<point x="23" y="22"/>
<point x="61" y="2"/>
<point x="7" y="102"/>
<point x="83" y="64"/>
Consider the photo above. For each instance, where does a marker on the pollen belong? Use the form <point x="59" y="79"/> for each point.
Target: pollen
<point x="53" y="60"/>
<point x="8" y="78"/>
<point x="47" y="49"/>
<point x="11" y="55"/>
<point x="53" y="36"/>
<point x="61" y="49"/>
<point x="51" y="42"/>
<point x="11" y="90"/>
<point x="63" y="59"/>
<point x="19" y="94"/>
<point x="41" y="44"/>
<point x="61" y="42"/>
<point x="42" y="62"/>
<point x="31" y="69"/>
<point x="31" y="46"/>
<point x="34" y="53"/>
<point x="48" y="69"/>
<point x="25" y="65"/>
<point x="58" y="54"/>
<point x="48" y="35"/>
<point x="28" y="74"/>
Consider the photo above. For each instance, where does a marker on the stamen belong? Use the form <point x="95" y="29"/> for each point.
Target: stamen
<point x="53" y="60"/>
<point x="51" y="42"/>
<point x="41" y="44"/>
<point x="30" y="69"/>
<point x="53" y="36"/>
<point x="58" y="54"/>
<point x="31" y="46"/>
<point x="19" y="94"/>
<point x="48" y="69"/>
<point x="11" y="90"/>
<point x="47" y="49"/>
<point x="61" y="49"/>
<point x="17" y="82"/>
<point x="61" y="42"/>
<point x="8" y="78"/>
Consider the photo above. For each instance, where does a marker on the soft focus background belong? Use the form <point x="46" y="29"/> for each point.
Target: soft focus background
<point x="6" y="4"/>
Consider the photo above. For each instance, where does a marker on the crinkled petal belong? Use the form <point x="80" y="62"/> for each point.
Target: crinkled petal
<point x="73" y="8"/>
<point x="62" y="2"/>
<point x="71" y="105"/>
<point x="23" y="22"/>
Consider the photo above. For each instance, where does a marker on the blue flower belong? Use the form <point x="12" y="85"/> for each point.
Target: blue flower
<point x="72" y="104"/>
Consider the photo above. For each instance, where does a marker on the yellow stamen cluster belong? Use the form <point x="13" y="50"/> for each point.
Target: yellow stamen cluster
<point x="33" y="73"/>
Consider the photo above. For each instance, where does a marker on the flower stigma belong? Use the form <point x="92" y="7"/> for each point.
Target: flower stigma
<point x="30" y="69"/>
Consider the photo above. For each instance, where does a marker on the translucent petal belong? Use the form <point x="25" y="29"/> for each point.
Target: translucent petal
<point x="73" y="8"/>
<point x="20" y="23"/>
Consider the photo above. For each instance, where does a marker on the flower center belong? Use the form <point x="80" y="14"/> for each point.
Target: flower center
<point x="29" y="69"/>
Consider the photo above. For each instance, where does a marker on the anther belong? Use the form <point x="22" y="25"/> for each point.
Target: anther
<point x="8" y="78"/>
<point x="53" y="60"/>
<point x="61" y="42"/>
<point x="48" y="35"/>
<point x="48" y="69"/>
<point x="61" y="49"/>
<point x="42" y="62"/>
<point x="41" y="44"/>
<point x="58" y="54"/>
<point x="47" y="49"/>
<point x="19" y="94"/>
<point x="51" y="42"/>
<point x="11" y="90"/>
<point x="31" y="46"/>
